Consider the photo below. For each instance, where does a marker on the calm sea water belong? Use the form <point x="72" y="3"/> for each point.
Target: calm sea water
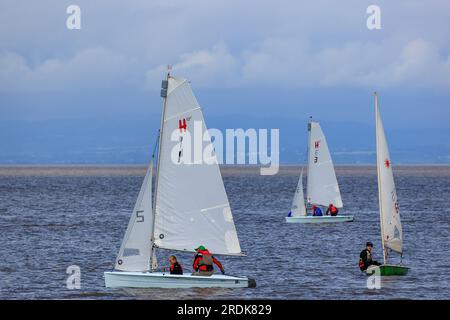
<point x="51" y="218"/>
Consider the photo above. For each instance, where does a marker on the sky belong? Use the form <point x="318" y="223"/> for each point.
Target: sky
<point x="92" y="95"/>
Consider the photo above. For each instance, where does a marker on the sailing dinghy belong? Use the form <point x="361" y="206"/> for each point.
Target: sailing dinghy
<point x="322" y="186"/>
<point x="190" y="206"/>
<point x="390" y="223"/>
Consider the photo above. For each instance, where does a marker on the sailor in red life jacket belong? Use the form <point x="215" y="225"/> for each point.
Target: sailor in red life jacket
<point x="332" y="210"/>
<point x="203" y="263"/>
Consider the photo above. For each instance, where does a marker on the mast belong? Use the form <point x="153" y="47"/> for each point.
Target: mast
<point x="308" y="150"/>
<point x="379" y="179"/>
<point x="165" y="86"/>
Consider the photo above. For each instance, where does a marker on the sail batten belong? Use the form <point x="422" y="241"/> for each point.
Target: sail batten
<point x="322" y="185"/>
<point x="390" y="223"/>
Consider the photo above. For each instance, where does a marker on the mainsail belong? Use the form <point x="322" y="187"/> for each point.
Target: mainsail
<point x="134" y="253"/>
<point x="298" y="203"/>
<point x="391" y="227"/>
<point x="322" y="185"/>
<point x="191" y="206"/>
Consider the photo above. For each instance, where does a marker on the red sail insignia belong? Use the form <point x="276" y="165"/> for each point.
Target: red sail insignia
<point x="182" y="124"/>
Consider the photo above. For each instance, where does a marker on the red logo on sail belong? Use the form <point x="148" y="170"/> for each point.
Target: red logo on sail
<point x="317" y="144"/>
<point x="182" y="125"/>
<point x="387" y="163"/>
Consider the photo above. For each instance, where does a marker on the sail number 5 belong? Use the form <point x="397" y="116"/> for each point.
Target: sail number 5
<point x="139" y="217"/>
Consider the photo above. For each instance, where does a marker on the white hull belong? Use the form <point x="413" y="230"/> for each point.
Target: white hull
<point x="120" y="279"/>
<point x="320" y="219"/>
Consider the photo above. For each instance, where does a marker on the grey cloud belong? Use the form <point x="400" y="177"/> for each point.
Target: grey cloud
<point x="288" y="62"/>
<point x="223" y="43"/>
<point x="93" y="68"/>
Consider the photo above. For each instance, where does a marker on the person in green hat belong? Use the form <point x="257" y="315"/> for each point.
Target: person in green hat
<point x="204" y="261"/>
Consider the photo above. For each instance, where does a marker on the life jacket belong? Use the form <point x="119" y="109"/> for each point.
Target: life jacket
<point x="205" y="262"/>
<point x="334" y="211"/>
<point x="362" y="267"/>
<point x="369" y="256"/>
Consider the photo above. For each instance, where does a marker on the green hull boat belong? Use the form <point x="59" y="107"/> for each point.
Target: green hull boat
<point x="387" y="270"/>
<point x="390" y="223"/>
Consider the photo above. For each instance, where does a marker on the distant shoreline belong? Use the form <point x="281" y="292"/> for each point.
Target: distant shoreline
<point x="131" y="165"/>
<point x="138" y="170"/>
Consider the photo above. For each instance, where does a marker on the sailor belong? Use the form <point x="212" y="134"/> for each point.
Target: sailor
<point x="203" y="262"/>
<point x="175" y="267"/>
<point x="365" y="257"/>
<point x="317" y="212"/>
<point x="332" y="210"/>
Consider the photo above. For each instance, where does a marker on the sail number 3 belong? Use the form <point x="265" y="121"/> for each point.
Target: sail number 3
<point x="316" y="152"/>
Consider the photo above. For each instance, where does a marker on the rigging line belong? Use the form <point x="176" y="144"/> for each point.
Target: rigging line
<point x="152" y="253"/>
<point x="156" y="144"/>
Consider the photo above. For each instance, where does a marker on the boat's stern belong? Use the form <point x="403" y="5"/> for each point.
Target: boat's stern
<point x="251" y="283"/>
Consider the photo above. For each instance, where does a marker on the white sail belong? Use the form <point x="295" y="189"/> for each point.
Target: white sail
<point x="191" y="207"/>
<point x="134" y="253"/>
<point x="322" y="185"/>
<point x="298" y="203"/>
<point x="391" y="227"/>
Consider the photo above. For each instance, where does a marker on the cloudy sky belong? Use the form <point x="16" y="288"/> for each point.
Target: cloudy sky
<point x="92" y="95"/>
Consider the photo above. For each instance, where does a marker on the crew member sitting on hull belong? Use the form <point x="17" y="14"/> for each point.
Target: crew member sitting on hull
<point x="175" y="267"/>
<point x="365" y="258"/>
<point x="332" y="210"/>
<point x="317" y="212"/>
<point x="203" y="262"/>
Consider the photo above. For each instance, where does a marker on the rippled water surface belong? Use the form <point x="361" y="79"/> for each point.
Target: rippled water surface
<point x="51" y="218"/>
